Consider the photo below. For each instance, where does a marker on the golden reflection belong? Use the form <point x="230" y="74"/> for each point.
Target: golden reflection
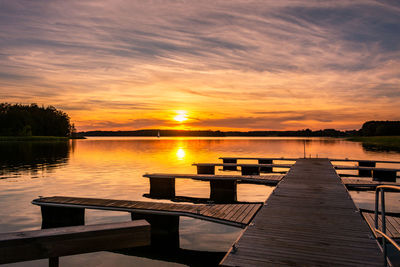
<point x="180" y="153"/>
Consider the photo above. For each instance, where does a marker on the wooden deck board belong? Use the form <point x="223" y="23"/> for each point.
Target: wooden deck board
<point x="286" y="166"/>
<point x="392" y="224"/>
<point x="310" y="219"/>
<point x="222" y="213"/>
<point x="259" y="179"/>
<point x="345" y="167"/>
<point x="354" y="183"/>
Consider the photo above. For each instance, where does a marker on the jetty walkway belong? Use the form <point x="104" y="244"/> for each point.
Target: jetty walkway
<point x="309" y="220"/>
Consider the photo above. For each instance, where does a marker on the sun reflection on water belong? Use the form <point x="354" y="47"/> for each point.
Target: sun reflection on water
<point x="180" y="153"/>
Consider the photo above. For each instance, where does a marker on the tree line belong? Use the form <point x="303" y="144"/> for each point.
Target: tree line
<point x="32" y="120"/>
<point x="380" y="128"/>
<point x="370" y="128"/>
<point x="187" y="133"/>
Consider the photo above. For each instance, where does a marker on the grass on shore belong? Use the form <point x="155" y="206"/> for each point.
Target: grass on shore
<point x="32" y="138"/>
<point x="384" y="141"/>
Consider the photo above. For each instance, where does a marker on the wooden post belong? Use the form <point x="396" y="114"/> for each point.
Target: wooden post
<point x="164" y="229"/>
<point x="366" y="163"/>
<point x="384" y="175"/>
<point x="223" y="191"/>
<point x="250" y="170"/>
<point x="61" y="216"/>
<point x="54" y="262"/>
<point x="162" y="187"/>
<point x="206" y="169"/>
<point x="230" y="168"/>
<point x="265" y="161"/>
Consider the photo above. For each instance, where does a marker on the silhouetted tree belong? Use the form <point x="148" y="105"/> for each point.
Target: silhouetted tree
<point x="380" y="128"/>
<point x="27" y="120"/>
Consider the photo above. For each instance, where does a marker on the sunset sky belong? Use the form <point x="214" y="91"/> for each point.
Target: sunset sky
<point x="228" y="65"/>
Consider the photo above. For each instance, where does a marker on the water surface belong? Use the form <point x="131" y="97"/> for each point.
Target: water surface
<point x="112" y="167"/>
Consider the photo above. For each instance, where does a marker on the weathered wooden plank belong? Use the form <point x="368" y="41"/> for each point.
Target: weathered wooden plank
<point x="286" y="166"/>
<point x="256" y="158"/>
<point x="343" y="167"/>
<point x="56" y="242"/>
<point x="309" y="219"/>
<point x="365" y="160"/>
<point x="392" y="224"/>
<point x="237" y="213"/>
<point x="221" y="213"/>
<point x="261" y="179"/>
<point x="364" y="182"/>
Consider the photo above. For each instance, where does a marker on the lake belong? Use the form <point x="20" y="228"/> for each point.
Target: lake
<point x="112" y="167"/>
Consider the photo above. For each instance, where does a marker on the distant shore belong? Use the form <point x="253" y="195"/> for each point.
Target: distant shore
<point x="383" y="141"/>
<point x="36" y="138"/>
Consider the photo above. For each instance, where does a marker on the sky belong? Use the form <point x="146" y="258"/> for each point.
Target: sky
<point x="227" y="65"/>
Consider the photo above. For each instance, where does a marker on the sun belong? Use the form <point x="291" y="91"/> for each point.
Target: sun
<point x="181" y="116"/>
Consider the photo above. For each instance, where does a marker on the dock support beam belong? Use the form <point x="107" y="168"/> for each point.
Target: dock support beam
<point x="164" y="229"/>
<point x="250" y="170"/>
<point x="230" y="168"/>
<point x="207" y="169"/>
<point x="53" y="217"/>
<point x="384" y="175"/>
<point x="223" y="191"/>
<point x="162" y="187"/>
<point x="265" y="161"/>
<point x="366" y="163"/>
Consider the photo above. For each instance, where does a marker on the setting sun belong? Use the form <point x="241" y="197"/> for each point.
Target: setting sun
<point x="181" y="116"/>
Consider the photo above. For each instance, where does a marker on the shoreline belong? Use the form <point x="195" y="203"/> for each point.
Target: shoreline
<point x="35" y="138"/>
<point x="382" y="141"/>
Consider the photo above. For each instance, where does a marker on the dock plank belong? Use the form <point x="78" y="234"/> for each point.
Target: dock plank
<point x="309" y="219"/>
<point x="258" y="179"/>
<point x="366" y="183"/>
<point x="221" y="213"/>
<point x="392" y="224"/>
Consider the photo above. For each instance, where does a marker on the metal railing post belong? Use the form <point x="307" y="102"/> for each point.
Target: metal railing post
<point x="381" y="189"/>
<point x="383" y="226"/>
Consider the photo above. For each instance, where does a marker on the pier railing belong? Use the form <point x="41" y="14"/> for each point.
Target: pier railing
<point x="381" y="190"/>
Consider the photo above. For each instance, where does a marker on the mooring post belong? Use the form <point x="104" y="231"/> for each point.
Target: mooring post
<point x="61" y="216"/>
<point x="54" y="262"/>
<point x="206" y="169"/>
<point x="250" y="170"/>
<point x="229" y="168"/>
<point x="366" y="163"/>
<point x="223" y="191"/>
<point x="384" y="175"/>
<point x="162" y="187"/>
<point x="265" y="161"/>
<point x="164" y="229"/>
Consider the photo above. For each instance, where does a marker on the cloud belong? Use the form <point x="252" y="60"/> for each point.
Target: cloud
<point x="233" y="59"/>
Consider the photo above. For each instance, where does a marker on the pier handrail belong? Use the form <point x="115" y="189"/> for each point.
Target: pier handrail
<point x="381" y="189"/>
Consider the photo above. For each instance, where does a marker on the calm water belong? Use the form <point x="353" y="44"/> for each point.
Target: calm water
<point x="113" y="168"/>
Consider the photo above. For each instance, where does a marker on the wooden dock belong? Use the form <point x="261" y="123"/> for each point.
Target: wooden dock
<point x="252" y="179"/>
<point x="392" y="224"/>
<point x="365" y="183"/>
<point x="231" y="214"/>
<point x="64" y="241"/>
<point x="309" y="220"/>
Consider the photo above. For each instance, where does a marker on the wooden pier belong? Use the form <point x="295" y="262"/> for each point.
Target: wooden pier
<point x="245" y="168"/>
<point x="353" y="183"/>
<point x="309" y="220"/>
<point x="223" y="188"/>
<point x="231" y="214"/>
<point x="392" y="224"/>
<point x="248" y="179"/>
<point x="64" y="241"/>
